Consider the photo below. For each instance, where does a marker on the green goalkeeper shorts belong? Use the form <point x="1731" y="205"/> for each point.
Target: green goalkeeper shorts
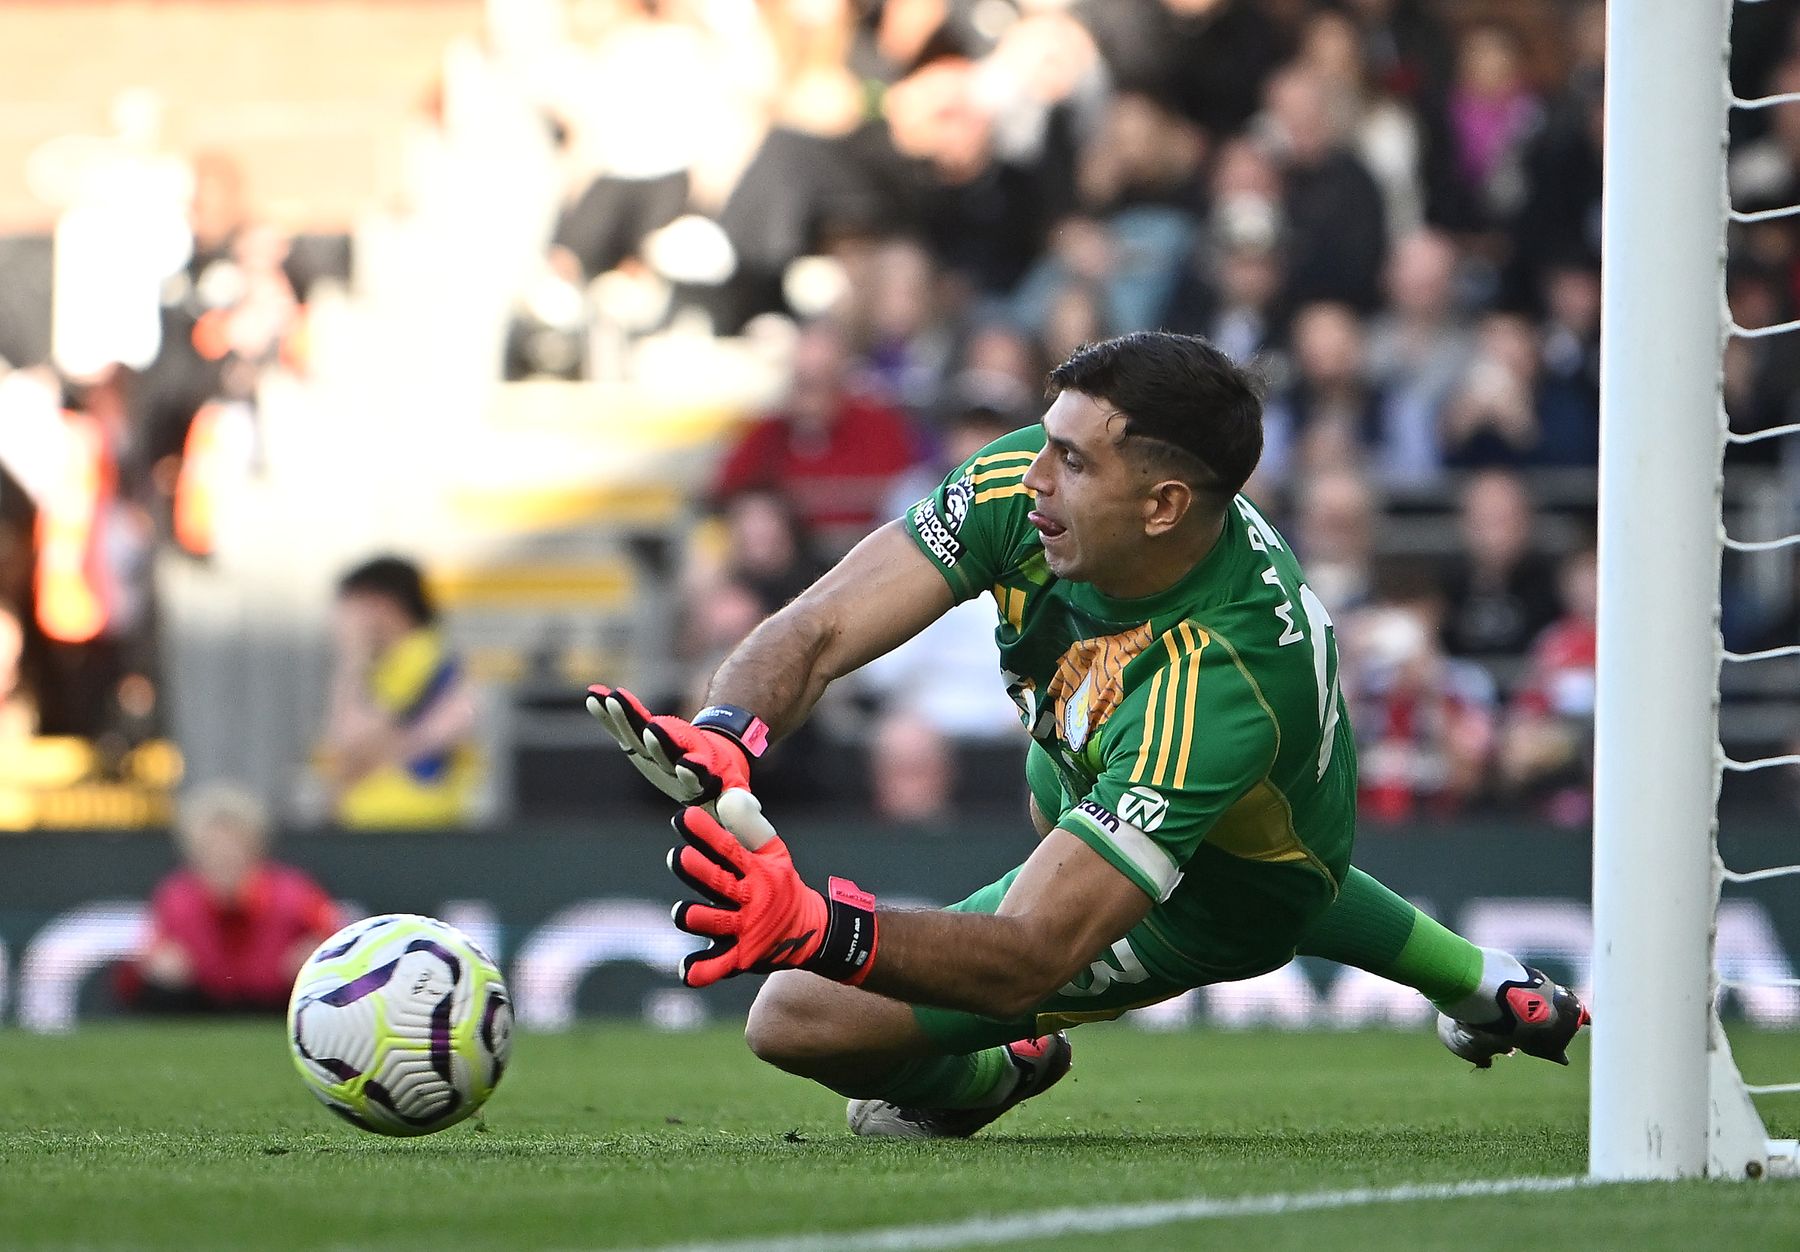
<point x="1169" y="952"/>
<point x="1110" y="987"/>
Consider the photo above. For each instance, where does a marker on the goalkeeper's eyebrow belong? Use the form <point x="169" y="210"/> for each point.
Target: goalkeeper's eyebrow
<point x="1064" y="447"/>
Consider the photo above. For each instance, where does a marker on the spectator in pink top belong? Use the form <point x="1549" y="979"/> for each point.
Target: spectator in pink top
<point x="1492" y="111"/>
<point x="230" y="928"/>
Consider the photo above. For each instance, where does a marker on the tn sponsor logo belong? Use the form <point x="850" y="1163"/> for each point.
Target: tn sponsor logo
<point x="1143" y="808"/>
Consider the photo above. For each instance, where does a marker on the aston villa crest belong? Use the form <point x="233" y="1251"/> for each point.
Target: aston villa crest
<point x="1077" y="713"/>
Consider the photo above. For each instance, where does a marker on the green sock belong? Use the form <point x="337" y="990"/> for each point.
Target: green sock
<point x="1370" y="927"/>
<point x="970" y="1081"/>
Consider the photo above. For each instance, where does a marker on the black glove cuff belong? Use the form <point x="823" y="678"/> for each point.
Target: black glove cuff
<point x="742" y="726"/>
<point x="847" y="952"/>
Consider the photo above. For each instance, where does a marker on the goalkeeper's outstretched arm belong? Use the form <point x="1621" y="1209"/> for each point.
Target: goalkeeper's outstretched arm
<point x="881" y="594"/>
<point x="1066" y="904"/>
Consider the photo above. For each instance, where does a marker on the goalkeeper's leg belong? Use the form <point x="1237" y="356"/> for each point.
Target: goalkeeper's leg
<point x="908" y="1071"/>
<point x="850" y="1040"/>
<point x="864" y="1045"/>
<point x="1489" y="1003"/>
<point x="901" y="1080"/>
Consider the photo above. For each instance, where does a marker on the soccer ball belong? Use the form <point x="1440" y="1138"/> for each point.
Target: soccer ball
<point x="400" y="1024"/>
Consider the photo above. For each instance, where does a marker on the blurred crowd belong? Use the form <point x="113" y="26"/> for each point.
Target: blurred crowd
<point x="1391" y="208"/>
<point x="173" y="306"/>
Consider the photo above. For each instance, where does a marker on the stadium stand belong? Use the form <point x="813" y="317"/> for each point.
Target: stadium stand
<point x="1389" y="205"/>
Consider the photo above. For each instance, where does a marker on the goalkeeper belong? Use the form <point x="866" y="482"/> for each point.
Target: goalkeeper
<point x="1192" y="770"/>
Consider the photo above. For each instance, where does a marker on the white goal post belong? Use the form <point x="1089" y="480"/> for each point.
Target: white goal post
<point x="1665" y="1098"/>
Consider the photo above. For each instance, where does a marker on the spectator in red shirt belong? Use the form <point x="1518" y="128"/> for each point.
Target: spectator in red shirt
<point x="1547" y="750"/>
<point x="1424" y="721"/>
<point x="831" y="452"/>
<point x="229" y="929"/>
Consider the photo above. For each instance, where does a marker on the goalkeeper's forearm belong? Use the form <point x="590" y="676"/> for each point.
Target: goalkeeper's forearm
<point x="1066" y="906"/>
<point x="778" y="672"/>
<point x="996" y="966"/>
<point x="880" y="595"/>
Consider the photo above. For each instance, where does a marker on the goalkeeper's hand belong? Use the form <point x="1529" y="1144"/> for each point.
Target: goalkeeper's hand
<point x="687" y="763"/>
<point x="758" y="914"/>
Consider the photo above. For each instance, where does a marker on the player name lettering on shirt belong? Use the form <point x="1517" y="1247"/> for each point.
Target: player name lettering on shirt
<point x="1262" y="536"/>
<point x="1284" y="610"/>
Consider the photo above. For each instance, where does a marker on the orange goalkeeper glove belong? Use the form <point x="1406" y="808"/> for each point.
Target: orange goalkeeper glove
<point x="761" y="916"/>
<point x="687" y="761"/>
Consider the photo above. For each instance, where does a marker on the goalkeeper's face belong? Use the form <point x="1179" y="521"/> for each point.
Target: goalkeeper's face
<point x="1095" y="508"/>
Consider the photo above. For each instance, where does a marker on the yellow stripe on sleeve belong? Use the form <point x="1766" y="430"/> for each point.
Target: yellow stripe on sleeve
<point x="1001" y="493"/>
<point x="1196" y="640"/>
<point x="1166" y="737"/>
<point x="1143" y="757"/>
<point x="1001" y="458"/>
<point x="1011" y="603"/>
<point x="1014" y="472"/>
<point x="1015" y="608"/>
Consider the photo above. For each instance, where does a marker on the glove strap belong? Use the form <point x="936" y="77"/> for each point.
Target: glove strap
<point x="742" y="726"/>
<point x="847" y="953"/>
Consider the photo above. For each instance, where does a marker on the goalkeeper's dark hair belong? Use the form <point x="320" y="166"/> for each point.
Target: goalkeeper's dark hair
<point x="1189" y="411"/>
<point x="393" y="578"/>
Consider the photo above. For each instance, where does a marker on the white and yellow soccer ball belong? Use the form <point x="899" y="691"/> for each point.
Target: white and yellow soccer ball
<point x="400" y="1024"/>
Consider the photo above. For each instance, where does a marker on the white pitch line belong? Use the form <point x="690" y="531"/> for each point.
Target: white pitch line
<point x="1102" y="1219"/>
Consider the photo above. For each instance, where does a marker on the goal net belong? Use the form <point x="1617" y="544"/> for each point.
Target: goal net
<point x="1666" y="1099"/>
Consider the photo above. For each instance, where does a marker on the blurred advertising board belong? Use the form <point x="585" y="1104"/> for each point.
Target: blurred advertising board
<point x="579" y="916"/>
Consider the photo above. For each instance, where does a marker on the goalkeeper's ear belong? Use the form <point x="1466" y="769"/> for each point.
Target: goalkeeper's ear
<point x="741" y="813"/>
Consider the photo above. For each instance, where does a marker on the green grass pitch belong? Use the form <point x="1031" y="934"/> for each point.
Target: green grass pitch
<point x="200" y="1136"/>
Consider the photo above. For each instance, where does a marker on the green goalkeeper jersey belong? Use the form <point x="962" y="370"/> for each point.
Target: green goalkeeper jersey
<point x="1198" y="739"/>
